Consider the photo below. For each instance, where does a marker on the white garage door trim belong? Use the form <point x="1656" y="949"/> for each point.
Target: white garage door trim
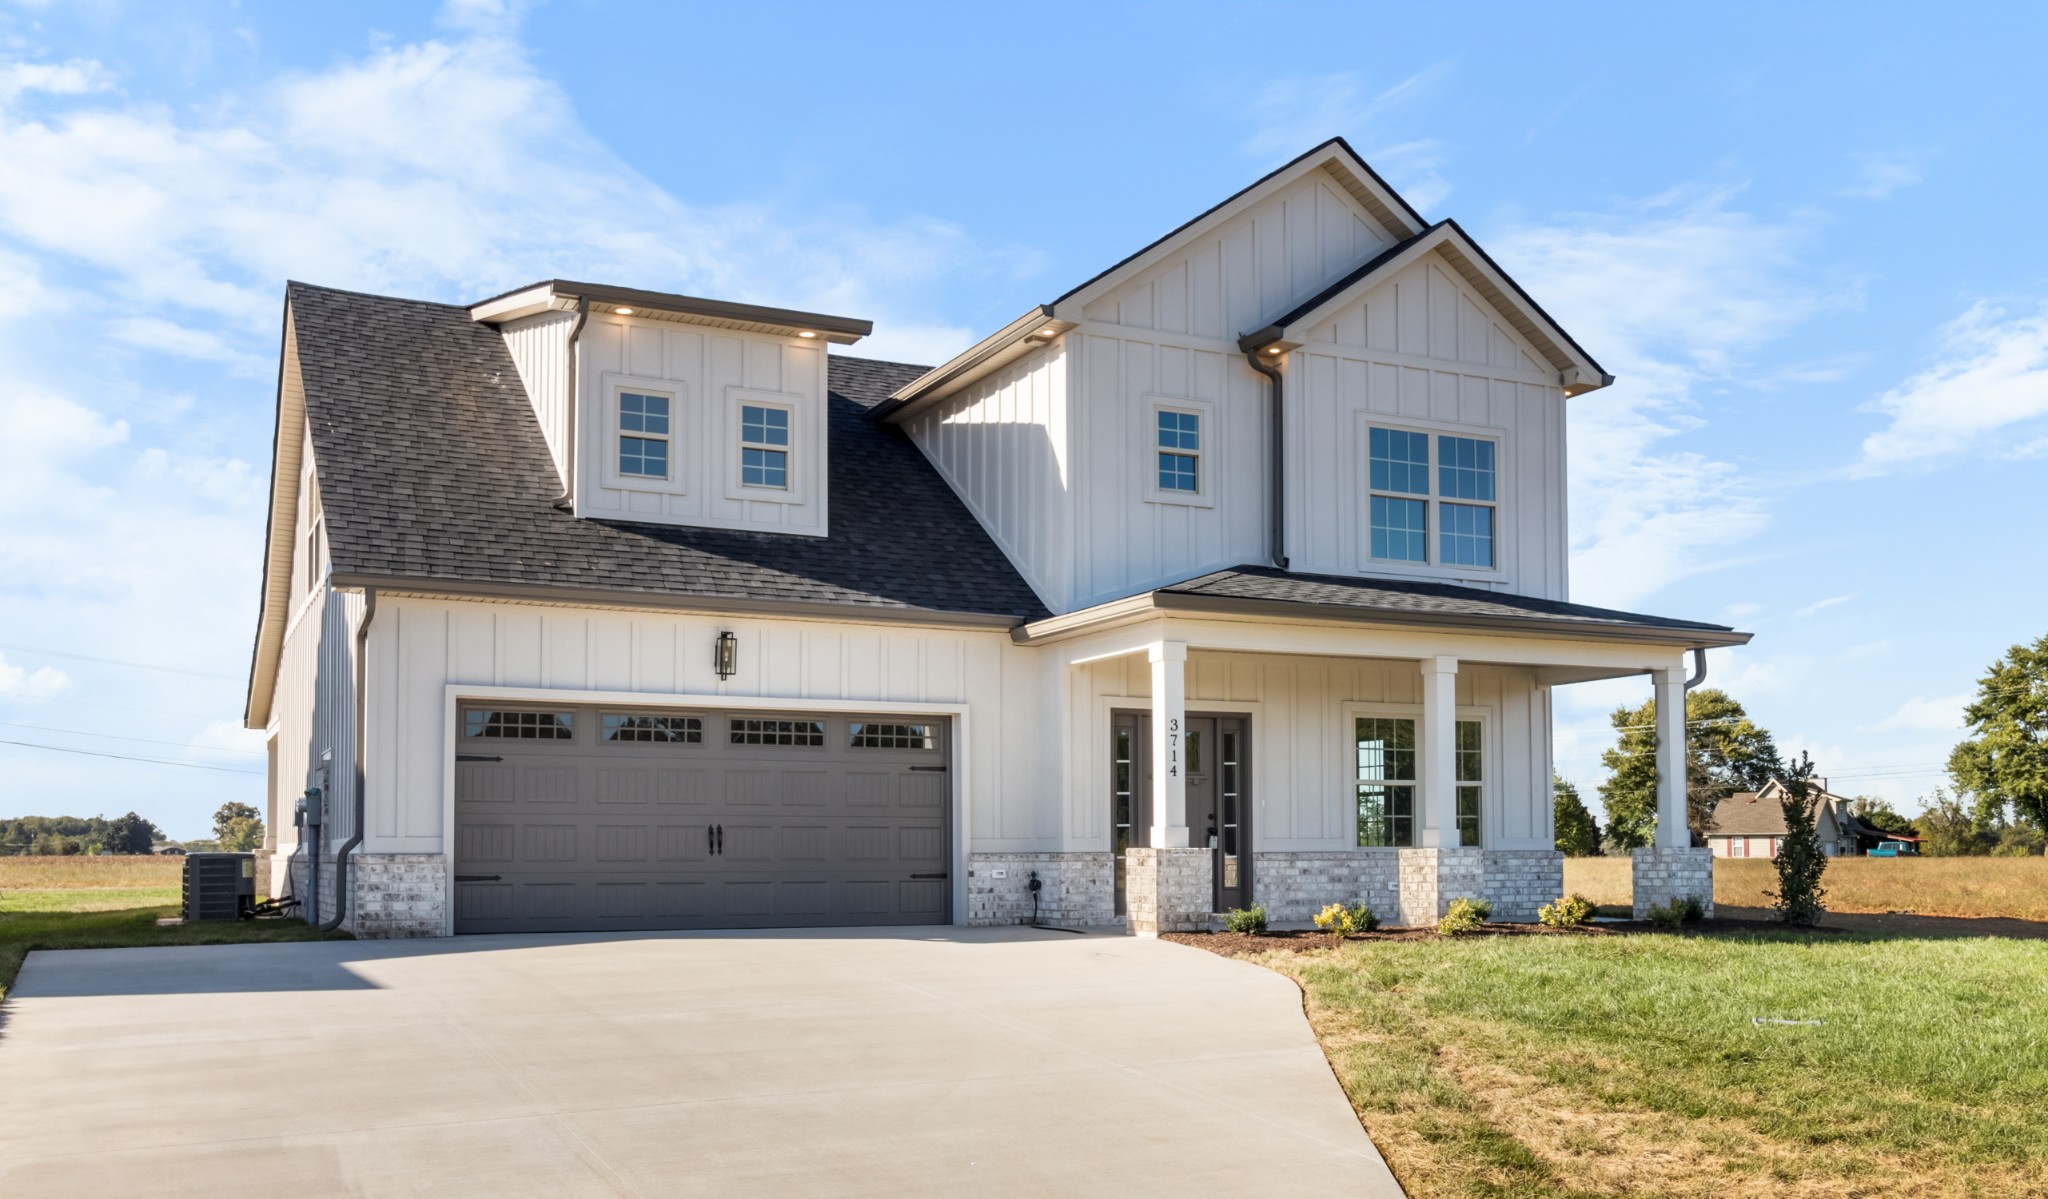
<point x="455" y="694"/>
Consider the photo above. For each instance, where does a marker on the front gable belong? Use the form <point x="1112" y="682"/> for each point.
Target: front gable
<point x="1255" y="259"/>
<point x="1426" y="310"/>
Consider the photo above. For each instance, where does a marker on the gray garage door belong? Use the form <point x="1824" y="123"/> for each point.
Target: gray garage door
<point x="591" y="818"/>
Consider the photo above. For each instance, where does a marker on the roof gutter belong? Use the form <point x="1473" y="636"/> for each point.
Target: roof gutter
<point x="537" y="593"/>
<point x="970" y="360"/>
<point x="1278" y="500"/>
<point x="1158" y="603"/>
<point x="567" y="500"/>
<point x="355" y="830"/>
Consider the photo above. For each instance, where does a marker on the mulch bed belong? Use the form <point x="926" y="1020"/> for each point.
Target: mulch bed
<point x="1308" y="941"/>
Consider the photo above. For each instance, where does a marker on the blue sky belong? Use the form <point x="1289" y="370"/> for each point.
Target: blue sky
<point x="1809" y="246"/>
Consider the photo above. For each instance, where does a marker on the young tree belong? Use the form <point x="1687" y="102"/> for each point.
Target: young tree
<point x="1800" y="861"/>
<point x="129" y="834"/>
<point x="1578" y="836"/>
<point x="2006" y="763"/>
<point x="1948" y="830"/>
<point x="229" y="813"/>
<point x="1725" y="752"/>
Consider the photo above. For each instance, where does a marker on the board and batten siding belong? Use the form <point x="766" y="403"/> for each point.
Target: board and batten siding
<point x="1001" y="445"/>
<point x="314" y="714"/>
<point x="1420" y="348"/>
<point x="1303" y="774"/>
<point x="418" y="647"/>
<point x="539" y="346"/>
<point x="707" y="371"/>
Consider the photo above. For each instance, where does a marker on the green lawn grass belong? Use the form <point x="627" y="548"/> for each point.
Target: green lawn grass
<point x="88" y="899"/>
<point x="1611" y="1065"/>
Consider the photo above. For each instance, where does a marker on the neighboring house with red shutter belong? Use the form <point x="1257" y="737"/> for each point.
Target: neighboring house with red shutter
<point x="1751" y="824"/>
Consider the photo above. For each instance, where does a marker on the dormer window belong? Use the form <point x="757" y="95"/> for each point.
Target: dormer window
<point x="1464" y="497"/>
<point x="764" y="446"/>
<point x="643" y="435"/>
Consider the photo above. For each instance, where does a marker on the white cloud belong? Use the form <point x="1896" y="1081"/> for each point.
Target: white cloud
<point x="449" y="169"/>
<point x="1670" y="294"/>
<point x="1823" y="605"/>
<point x="154" y="333"/>
<point x="30" y="686"/>
<point x="1296" y="113"/>
<point x="1880" y="175"/>
<point x="75" y="78"/>
<point x="1991" y="383"/>
<point x="1921" y="714"/>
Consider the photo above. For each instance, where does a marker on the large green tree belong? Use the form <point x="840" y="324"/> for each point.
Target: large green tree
<point x="1725" y="752"/>
<point x="237" y="827"/>
<point x="2005" y="763"/>
<point x="1578" y="836"/>
<point x="1883" y="816"/>
<point x="129" y="834"/>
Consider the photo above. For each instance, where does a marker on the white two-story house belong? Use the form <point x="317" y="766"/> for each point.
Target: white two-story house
<point x="1236" y="574"/>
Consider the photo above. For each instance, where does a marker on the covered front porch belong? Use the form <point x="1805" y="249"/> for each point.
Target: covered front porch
<point x="1399" y="759"/>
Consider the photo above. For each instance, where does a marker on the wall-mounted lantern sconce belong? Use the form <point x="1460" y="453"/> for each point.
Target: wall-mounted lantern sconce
<point x="725" y="657"/>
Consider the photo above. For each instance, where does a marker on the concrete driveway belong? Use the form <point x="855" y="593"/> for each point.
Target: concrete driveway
<point x="866" y="1062"/>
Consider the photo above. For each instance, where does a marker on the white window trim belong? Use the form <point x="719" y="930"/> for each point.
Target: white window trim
<point x="1490" y="765"/>
<point x="678" y="421"/>
<point x="1433" y="502"/>
<point x="1205" y="458"/>
<point x="798" y="448"/>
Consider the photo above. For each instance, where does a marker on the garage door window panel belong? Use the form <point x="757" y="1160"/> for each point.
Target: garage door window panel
<point x="800" y="733"/>
<point x="871" y="735"/>
<point x="519" y="726"/>
<point x="665" y="730"/>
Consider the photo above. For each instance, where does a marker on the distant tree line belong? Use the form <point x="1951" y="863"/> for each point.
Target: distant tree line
<point x="57" y="836"/>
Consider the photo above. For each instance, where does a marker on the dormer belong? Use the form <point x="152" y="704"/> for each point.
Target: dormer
<point x="671" y="409"/>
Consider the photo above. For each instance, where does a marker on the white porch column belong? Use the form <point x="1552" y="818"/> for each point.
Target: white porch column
<point x="1672" y="830"/>
<point x="1169" y="749"/>
<point x="1437" y="745"/>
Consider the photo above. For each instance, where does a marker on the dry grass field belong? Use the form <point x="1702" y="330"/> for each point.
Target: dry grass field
<point x="1971" y="887"/>
<point x="50" y="873"/>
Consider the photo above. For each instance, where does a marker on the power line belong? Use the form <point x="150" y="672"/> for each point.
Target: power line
<point x="44" y="728"/>
<point x="95" y="753"/>
<point x="51" y="653"/>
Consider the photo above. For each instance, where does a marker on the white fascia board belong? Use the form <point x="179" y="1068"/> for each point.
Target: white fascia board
<point x="1352" y="174"/>
<point x="539" y="298"/>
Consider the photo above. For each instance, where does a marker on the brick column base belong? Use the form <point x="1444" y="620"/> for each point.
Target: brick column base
<point x="1432" y="878"/>
<point x="1662" y="875"/>
<point x="1168" y="890"/>
<point x="398" y="895"/>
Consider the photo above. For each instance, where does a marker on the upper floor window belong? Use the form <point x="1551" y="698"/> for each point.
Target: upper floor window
<point x="1402" y="498"/>
<point x="1180" y="451"/>
<point x="643" y="435"/>
<point x="316" y="521"/>
<point x="764" y="446"/>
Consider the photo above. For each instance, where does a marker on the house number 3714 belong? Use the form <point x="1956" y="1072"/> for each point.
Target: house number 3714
<point x="1173" y="748"/>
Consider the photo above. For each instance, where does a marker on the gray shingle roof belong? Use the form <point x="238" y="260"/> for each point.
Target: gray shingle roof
<point x="432" y="467"/>
<point x="1403" y="597"/>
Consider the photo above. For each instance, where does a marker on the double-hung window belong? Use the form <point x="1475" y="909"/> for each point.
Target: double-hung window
<point x="1387" y="780"/>
<point x="1407" y="498"/>
<point x="643" y="435"/>
<point x="1180" y="451"/>
<point x="764" y="446"/>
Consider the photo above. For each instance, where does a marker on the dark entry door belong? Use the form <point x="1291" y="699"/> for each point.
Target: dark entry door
<point x="1218" y="791"/>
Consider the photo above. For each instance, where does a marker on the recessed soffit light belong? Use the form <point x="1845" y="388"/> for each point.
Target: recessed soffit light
<point x="623" y="311"/>
<point x="806" y="333"/>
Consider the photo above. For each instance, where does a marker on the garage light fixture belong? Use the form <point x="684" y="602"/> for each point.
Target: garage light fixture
<point x="725" y="656"/>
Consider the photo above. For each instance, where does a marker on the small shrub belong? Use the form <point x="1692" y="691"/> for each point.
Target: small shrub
<point x="1464" y="916"/>
<point x="1686" y="909"/>
<point x="1566" y="912"/>
<point x="1250" y="921"/>
<point x="1358" y="918"/>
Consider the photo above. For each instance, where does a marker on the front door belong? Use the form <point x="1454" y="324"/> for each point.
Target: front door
<point x="1218" y="790"/>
